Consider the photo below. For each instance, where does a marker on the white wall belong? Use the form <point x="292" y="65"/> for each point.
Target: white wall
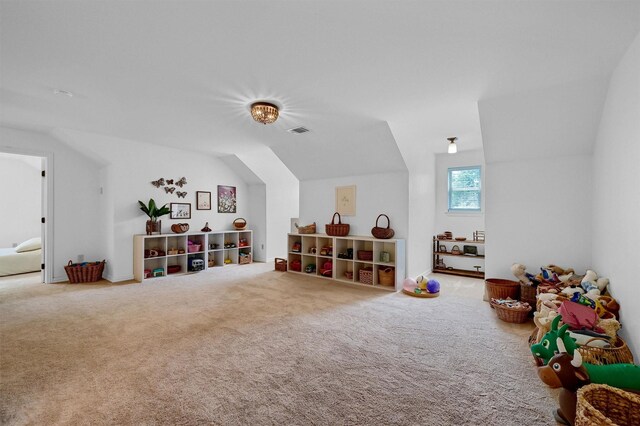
<point x="616" y="196"/>
<point x="461" y="224"/>
<point x="76" y="221"/>
<point x="20" y="192"/>
<point x="375" y="194"/>
<point x="538" y="212"/>
<point x="257" y="218"/>
<point x="281" y="198"/>
<point x="130" y="168"/>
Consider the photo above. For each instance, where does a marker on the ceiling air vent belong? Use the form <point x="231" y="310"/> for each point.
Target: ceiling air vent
<point x="298" y="130"/>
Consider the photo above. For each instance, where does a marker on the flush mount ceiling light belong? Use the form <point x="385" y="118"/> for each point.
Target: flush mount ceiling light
<point x="264" y="112"/>
<point x="453" y="148"/>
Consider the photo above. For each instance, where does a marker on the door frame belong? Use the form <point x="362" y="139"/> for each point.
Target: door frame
<point x="46" y="205"/>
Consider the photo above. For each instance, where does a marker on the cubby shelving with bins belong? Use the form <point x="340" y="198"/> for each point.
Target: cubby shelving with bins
<point x="439" y="255"/>
<point x="318" y="249"/>
<point x="160" y="252"/>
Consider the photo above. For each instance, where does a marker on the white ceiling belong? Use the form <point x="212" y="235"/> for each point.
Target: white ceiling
<point x="183" y="73"/>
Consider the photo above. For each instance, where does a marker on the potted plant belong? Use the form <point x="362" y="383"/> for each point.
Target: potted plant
<point x="151" y="210"/>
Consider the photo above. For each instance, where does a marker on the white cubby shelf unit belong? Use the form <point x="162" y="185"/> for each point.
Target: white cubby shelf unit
<point x="348" y="270"/>
<point x="216" y="249"/>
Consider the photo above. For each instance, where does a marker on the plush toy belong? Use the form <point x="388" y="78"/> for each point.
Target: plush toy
<point x="542" y="319"/>
<point x="570" y="291"/>
<point x="520" y="272"/>
<point x="579" y="298"/>
<point x="433" y="286"/>
<point x="593" y="285"/>
<point x="610" y="326"/>
<point x="548" y="275"/>
<point x="560" y="271"/>
<point x="547" y="347"/>
<point x="571" y="373"/>
<point x="610" y="305"/>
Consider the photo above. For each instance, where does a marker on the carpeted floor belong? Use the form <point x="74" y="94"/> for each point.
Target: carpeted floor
<point x="247" y="345"/>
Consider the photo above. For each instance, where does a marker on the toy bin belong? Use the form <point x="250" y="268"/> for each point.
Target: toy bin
<point x="498" y="288"/>
<point x="86" y="272"/>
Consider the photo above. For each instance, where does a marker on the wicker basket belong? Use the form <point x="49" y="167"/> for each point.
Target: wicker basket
<point x="243" y="260"/>
<point x="240" y="223"/>
<point x="604" y="405"/>
<point x="386" y="275"/>
<point x="502" y="289"/>
<point x="365" y="276"/>
<point x="365" y="255"/>
<point x="513" y="315"/>
<point x="308" y="229"/>
<point x="84" y="272"/>
<point x="281" y="264"/>
<point x="337" y="229"/>
<point x="618" y="354"/>
<point x="528" y="294"/>
<point x="380" y="232"/>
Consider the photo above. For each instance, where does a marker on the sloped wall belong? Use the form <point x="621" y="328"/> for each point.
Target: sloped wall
<point x="616" y="196"/>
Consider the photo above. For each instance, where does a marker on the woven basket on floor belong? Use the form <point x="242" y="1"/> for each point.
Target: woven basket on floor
<point x="604" y="405"/>
<point x="84" y="272"/>
<point x="498" y="288"/>
<point x="513" y="315"/>
<point x="281" y="264"/>
<point x="528" y="294"/>
<point x="618" y="354"/>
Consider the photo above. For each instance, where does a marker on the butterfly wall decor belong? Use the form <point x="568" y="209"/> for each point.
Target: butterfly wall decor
<point x="182" y="182"/>
<point x="169" y="189"/>
<point x="158" y="183"/>
<point x="169" y="181"/>
<point x="181" y="194"/>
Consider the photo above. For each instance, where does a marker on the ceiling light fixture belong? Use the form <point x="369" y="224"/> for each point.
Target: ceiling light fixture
<point x="264" y="112"/>
<point x="453" y="148"/>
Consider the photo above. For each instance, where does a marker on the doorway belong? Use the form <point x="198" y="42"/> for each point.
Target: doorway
<point x="23" y="230"/>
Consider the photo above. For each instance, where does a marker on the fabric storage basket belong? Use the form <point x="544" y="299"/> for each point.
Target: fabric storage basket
<point x="243" y="260"/>
<point x="192" y="248"/>
<point x="386" y="275"/>
<point x="84" y="272"/>
<point x="337" y="229"/>
<point x="365" y="255"/>
<point x="605" y="405"/>
<point x="498" y="288"/>
<point x="365" y="276"/>
<point x="281" y="264"/>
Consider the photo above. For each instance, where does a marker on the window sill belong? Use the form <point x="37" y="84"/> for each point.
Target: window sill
<point x="464" y="214"/>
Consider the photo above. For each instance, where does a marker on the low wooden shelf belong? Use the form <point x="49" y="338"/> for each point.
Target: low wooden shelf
<point x="437" y="254"/>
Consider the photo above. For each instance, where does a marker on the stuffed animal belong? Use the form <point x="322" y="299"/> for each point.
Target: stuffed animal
<point x="571" y="373"/>
<point x="520" y="272"/>
<point x="581" y="299"/>
<point x="570" y="291"/>
<point x="593" y="285"/>
<point x="558" y="270"/>
<point x="610" y="305"/>
<point x="548" y="345"/>
<point x="610" y="326"/>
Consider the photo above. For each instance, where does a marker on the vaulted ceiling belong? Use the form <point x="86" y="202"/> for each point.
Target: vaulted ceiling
<point x="183" y="73"/>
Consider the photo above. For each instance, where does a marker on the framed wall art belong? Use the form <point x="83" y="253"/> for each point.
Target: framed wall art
<point x="346" y="200"/>
<point x="203" y="200"/>
<point x="180" y="210"/>
<point x="226" y="199"/>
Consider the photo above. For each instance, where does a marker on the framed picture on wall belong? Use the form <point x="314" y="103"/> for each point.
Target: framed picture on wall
<point x="203" y="200"/>
<point x="180" y="210"/>
<point x="226" y="199"/>
<point x="346" y="200"/>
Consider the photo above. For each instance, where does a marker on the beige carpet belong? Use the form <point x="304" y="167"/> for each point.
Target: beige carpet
<point x="247" y="345"/>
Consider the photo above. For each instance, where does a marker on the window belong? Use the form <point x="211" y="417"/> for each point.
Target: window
<point x="464" y="189"/>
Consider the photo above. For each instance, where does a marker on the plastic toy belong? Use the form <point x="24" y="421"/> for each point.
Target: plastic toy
<point x="296" y="248"/>
<point x="547" y="347"/>
<point x="310" y="268"/>
<point x="579" y="298"/>
<point x="421" y="282"/>
<point x="158" y="272"/>
<point x="327" y="269"/>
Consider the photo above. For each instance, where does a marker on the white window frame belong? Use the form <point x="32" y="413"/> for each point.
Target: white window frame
<point x="462" y="210"/>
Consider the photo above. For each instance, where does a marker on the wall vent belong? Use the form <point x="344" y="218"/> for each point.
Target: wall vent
<point x="298" y="130"/>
